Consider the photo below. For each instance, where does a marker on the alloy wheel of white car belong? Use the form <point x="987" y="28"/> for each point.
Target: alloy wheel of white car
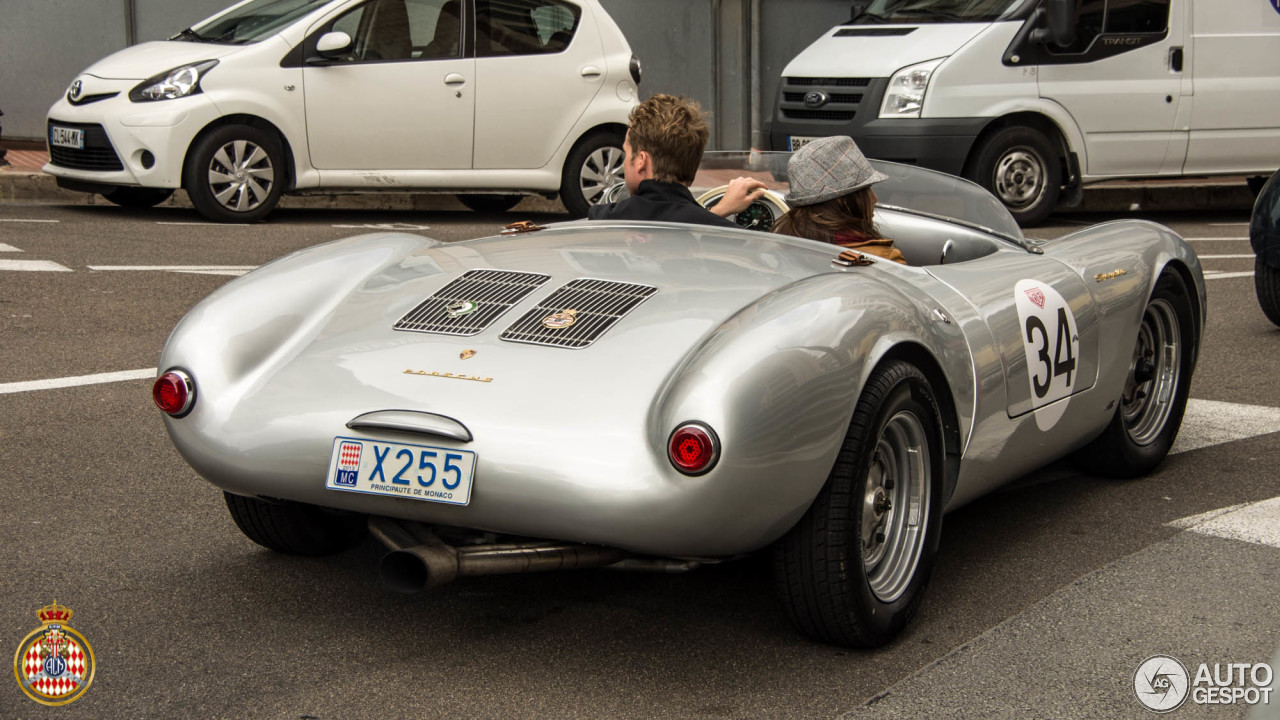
<point x="593" y="167"/>
<point x="235" y="174"/>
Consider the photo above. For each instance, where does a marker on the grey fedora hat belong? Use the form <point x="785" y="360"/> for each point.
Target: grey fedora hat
<point x="828" y="168"/>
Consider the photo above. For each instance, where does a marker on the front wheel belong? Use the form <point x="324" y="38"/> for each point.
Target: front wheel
<point x="854" y="569"/>
<point x="295" y="528"/>
<point x="1149" y="410"/>
<point x="1020" y="167"/>
<point x="137" y="197"/>
<point x="592" y="167"/>
<point x="235" y="174"/>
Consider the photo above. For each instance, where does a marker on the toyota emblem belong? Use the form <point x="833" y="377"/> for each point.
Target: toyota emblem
<point x="74" y="91"/>
<point x="815" y="99"/>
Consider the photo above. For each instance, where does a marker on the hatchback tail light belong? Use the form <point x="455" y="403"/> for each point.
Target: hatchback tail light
<point x="174" y="392"/>
<point x="693" y="448"/>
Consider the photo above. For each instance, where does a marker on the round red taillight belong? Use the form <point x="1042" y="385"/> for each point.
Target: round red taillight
<point x="693" y="448"/>
<point x="174" y="392"/>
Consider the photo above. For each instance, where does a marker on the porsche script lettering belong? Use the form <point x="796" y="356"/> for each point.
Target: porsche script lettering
<point x="455" y="376"/>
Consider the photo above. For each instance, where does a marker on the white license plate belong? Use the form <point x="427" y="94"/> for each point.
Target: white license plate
<point x="416" y="472"/>
<point x="66" y="137"/>
<point x="795" y="142"/>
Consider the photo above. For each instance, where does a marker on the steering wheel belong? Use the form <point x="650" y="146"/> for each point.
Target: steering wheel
<point x="759" y="215"/>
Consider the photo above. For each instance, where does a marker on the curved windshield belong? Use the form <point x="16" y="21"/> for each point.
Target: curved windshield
<point x="936" y="11"/>
<point x="909" y="188"/>
<point x="250" y="22"/>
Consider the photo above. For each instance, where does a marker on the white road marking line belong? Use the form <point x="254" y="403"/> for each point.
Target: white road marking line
<point x="1231" y="224"/>
<point x="1257" y="523"/>
<point x="1210" y="422"/>
<point x="204" y="269"/>
<point x="210" y="224"/>
<point x="384" y="226"/>
<point x="1227" y="257"/>
<point x="1216" y="239"/>
<point x="27" y="220"/>
<point x="52" y="384"/>
<point x="9" y="248"/>
<point x="1211" y="275"/>
<point x="233" y="273"/>
<point x="32" y="266"/>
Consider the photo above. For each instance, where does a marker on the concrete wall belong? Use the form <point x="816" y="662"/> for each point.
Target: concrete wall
<point x="699" y="48"/>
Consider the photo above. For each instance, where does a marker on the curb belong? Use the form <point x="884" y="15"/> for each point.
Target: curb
<point x="1158" y="196"/>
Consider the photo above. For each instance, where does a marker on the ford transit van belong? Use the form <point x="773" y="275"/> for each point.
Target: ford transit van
<point x="1034" y="98"/>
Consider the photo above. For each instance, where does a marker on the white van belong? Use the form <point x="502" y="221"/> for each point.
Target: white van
<point x="1033" y="98"/>
<point x="485" y="98"/>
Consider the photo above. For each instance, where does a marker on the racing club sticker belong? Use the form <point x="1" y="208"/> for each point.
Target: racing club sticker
<point x="1052" y="344"/>
<point x="54" y="664"/>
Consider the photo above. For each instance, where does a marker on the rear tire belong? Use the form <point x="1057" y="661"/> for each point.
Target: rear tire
<point x="1266" y="283"/>
<point x="490" y="204"/>
<point x="137" y="197"/>
<point x="854" y="569"/>
<point x="591" y="169"/>
<point x="236" y="174"/>
<point x="1150" y="407"/>
<point x="295" y="528"/>
<point x="1020" y="167"/>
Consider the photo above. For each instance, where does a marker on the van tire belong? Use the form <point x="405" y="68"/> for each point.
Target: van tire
<point x="592" y="166"/>
<point x="1020" y="167"/>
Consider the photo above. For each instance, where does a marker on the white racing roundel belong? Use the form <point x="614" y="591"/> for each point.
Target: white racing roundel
<point x="1051" y="341"/>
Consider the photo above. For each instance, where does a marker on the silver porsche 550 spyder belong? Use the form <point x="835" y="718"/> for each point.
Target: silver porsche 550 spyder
<point x="660" y="395"/>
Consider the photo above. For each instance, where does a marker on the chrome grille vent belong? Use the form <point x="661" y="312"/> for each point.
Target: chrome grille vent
<point x="585" y="309"/>
<point x="471" y="303"/>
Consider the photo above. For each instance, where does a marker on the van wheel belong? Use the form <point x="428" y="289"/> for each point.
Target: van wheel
<point x="235" y="174"/>
<point x="490" y="204"/>
<point x="137" y="197"/>
<point x="1020" y="167"/>
<point x="1266" y="284"/>
<point x="592" y="167"/>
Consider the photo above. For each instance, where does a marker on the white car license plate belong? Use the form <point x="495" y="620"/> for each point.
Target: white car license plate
<point x="66" y="137"/>
<point x="416" y="472"/>
<point x="795" y="142"/>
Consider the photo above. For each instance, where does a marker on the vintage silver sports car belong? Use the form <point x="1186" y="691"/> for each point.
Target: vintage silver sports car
<point x="660" y="395"/>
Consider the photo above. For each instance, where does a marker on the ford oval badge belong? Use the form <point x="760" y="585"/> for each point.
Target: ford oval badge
<point x="815" y="99"/>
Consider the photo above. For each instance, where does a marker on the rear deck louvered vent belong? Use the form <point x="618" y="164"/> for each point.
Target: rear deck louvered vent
<point x="471" y="303"/>
<point x="578" y="313"/>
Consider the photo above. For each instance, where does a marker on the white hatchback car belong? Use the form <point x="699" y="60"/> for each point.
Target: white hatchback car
<point x="490" y="99"/>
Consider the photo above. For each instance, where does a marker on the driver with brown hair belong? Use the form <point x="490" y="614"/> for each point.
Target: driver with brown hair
<point x="664" y="146"/>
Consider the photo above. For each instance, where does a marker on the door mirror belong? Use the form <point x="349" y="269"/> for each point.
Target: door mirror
<point x="333" y="44"/>
<point x="1058" y="18"/>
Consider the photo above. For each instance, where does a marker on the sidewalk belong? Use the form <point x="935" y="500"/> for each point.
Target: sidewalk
<point x="23" y="180"/>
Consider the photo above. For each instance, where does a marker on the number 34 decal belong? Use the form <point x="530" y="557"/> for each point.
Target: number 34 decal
<point x="1050" y="340"/>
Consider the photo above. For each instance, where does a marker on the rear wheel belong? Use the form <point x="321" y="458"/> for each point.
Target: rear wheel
<point x="1266" y="283"/>
<point x="854" y="569"/>
<point x="236" y="174"/>
<point x="490" y="204"/>
<point x="137" y="197"/>
<point x="1020" y="167"/>
<point x="295" y="528"/>
<point x="1149" y="411"/>
<point x="591" y="168"/>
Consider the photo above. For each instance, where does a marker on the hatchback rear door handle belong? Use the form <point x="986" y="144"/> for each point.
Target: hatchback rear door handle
<point x="454" y="79"/>
<point x="591" y="71"/>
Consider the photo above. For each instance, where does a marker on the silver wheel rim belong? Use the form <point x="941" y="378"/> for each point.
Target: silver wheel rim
<point x="1153" y="374"/>
<point x="895" y="506"/>
<point x="241" y="175"/>
<point x="1020" y="177"/>
<point x="602" y="169"/>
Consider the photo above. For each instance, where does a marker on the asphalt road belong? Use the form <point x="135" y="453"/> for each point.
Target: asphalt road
<point x="1046" y="597"/>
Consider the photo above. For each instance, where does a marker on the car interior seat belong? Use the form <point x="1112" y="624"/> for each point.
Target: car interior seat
<point x="448" y="32"/>
<point x="389" y="32"/>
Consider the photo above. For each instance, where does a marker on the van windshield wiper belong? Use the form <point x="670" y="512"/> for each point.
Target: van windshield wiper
<point x="866" y="16"/>
<point x="931" y="12"/>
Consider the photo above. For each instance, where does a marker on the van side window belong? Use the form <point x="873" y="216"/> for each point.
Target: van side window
<point x="1115" y="17"/>
<point x="524" y="27"/>
<point x="404" y="30"/>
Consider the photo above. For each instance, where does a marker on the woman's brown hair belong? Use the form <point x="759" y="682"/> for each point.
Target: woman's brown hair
<point x="844" y="215"/>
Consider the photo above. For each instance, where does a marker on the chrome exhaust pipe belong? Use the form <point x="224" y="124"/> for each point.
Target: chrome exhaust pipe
<point x="419" y="560"/>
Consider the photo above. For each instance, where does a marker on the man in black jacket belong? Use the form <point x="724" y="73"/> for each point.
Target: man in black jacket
<point x="663" y="148"/>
